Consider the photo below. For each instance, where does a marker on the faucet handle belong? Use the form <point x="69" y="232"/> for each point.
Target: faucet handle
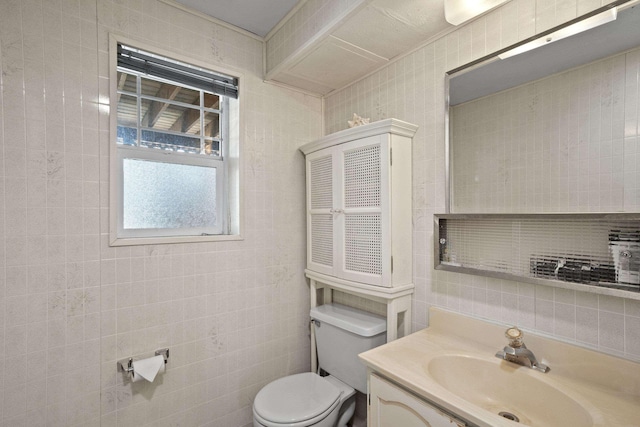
<point x="515" y="336"/>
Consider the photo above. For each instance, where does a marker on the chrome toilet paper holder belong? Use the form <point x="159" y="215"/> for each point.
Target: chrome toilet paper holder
<point x="126" y="365"/>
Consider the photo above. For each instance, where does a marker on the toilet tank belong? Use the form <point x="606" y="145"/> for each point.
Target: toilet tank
<point x="342" y="333"/>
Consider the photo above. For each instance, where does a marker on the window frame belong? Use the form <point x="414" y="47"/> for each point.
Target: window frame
<point x="229" y="169"/>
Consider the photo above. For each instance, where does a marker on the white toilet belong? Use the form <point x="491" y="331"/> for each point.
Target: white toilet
<point x="308" y="399"/>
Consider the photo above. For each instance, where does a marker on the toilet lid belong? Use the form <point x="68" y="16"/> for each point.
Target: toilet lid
<point x="295" y="398"/>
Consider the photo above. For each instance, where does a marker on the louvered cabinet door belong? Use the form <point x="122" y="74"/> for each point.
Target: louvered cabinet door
<point x="363" y="220"/>
<point x="320" y="208"/>
<point x="359" y="228"/>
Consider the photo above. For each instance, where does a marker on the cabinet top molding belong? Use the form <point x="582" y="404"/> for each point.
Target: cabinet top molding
<point x="392" y="126"/>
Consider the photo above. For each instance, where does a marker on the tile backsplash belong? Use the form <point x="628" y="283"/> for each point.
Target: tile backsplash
<point x="411" y="88"/>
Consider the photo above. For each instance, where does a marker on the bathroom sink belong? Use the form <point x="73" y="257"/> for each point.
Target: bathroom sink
<point x="506" y="389"/>
<point x="451" y="365"/>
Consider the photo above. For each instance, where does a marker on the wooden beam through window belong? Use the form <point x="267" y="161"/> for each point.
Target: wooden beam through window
<point x="156" y="108"/>
<point x="190" y="117"/>
<point x="121" y="80"/>
<point x="213" y="125"/>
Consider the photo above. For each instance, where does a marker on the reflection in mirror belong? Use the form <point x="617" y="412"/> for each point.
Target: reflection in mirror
<point x="555" y="129"/>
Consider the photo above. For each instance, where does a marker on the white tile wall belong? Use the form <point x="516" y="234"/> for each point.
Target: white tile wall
<point x="234" y="314"/>
<point x="412" y="89"/>
<point x="359" y="303"/>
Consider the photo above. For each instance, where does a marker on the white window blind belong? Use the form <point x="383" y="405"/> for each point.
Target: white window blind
<point x="185" y="74"/>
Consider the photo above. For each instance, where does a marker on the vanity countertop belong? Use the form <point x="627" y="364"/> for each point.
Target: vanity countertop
<point x="605" y="388"/>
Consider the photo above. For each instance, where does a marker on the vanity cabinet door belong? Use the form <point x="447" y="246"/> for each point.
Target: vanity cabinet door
<point x="391" y="406"/>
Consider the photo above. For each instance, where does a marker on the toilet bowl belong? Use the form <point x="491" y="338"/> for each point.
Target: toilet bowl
<point x="304" y="400"/>
<point x="308" y="399"/>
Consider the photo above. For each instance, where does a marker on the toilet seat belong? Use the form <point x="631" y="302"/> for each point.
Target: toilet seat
<point x="297" y="400"/>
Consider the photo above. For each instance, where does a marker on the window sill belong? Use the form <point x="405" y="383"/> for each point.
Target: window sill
<point x="137" y="241"/>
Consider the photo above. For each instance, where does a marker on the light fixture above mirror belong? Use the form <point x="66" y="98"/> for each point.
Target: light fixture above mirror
<point x="508" y="67"/>
<point x="568" y="31"/>
<point x="458" y="12"/>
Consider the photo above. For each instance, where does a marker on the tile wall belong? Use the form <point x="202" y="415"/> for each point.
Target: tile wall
<point x="234" y="314"/>
<point x="412" y="89"/>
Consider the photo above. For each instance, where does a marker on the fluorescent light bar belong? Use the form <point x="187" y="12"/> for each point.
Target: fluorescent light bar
<point x="578" y="27"/>
<point x="457" y="12"/>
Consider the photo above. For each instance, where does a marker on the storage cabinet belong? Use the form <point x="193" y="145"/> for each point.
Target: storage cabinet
<point x="392" y="406"/>
<point x="347" y="211"/>
<point x="359" y="204"/>
<point x="359" y="235"/>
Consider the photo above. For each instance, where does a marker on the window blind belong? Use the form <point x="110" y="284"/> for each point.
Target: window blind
<point x="155" y="66"/>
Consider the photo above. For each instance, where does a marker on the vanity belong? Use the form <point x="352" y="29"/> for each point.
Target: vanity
<point x="448" y="375"/>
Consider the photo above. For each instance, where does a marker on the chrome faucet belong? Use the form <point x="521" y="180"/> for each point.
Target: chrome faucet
<point x="517" y="352"/>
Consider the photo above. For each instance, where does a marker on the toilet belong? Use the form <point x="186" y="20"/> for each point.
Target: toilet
<point x="309" y="399"/>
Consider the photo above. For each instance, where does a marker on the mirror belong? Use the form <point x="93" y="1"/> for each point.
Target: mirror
<point x="543" y="132"/>
<point x="552" y="130"/>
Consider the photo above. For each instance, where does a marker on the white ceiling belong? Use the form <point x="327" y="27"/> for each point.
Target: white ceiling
<point x="256" y="16"/>
<point x="369" y="37"/>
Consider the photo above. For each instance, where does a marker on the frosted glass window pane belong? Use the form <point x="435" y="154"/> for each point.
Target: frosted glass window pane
<point x="168" y="195"/>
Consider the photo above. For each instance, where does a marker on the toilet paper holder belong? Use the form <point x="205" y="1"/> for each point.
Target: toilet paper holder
<point x="126" y="365"/>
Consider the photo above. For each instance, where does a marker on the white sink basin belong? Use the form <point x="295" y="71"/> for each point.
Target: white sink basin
<point x="451" y="365"/>
<point x="503" y="387"/>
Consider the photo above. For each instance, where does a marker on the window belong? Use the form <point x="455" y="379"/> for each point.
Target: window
<point x="176" y="128"/>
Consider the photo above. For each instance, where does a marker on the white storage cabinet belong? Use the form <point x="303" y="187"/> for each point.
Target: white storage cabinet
<point x="359" y="235"/>
<point x="359" y="204"/>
